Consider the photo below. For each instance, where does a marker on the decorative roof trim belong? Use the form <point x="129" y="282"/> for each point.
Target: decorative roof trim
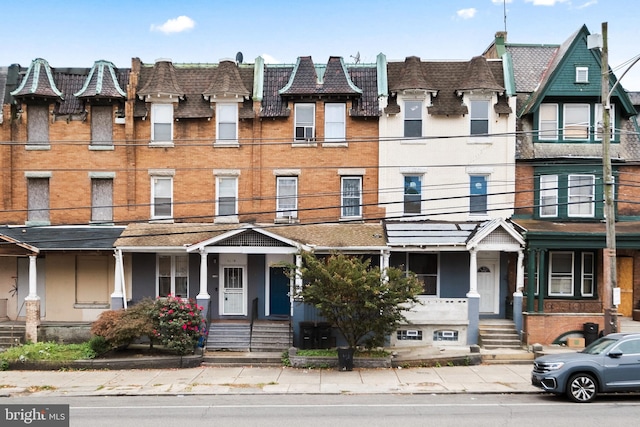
<point x="100" y="65"/>
<point x="35" y="68"/>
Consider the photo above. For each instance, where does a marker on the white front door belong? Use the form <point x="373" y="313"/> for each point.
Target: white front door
<point x="488" y="286"/>
<point x="233" y="288"/>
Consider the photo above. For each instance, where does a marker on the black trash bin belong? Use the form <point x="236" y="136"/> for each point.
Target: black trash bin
<point x="345" y="359"/>
<point x="307" y="335"/>
<point x="590" y="332"/>
<point x="324" y="335"/>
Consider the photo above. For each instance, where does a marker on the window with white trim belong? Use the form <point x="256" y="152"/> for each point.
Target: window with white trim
<point x="582" y="74"/>
<point x="561" y="273"/>
<point x="334" y="122"/>
<point x="227" y="199"/>
<point x="412" y="194"/>
<point x="588" y="274"/>
<point x="599" y="120"/>
<point x="172" y="276"/>
<point x="412" y="119"/>
<point x="226" y="122"/>
<point x="581" y="195"/>
<point x="548" y="195"/>
<point x="305" y="122"/>
<point x="101" y="199"/>
<point x="577" y="121"/>
<point x="351" y="197"/>
<point x="287" y="196"/>
<point x="548" y="122"/>
<point x="161" y="123"/>
<point x="479" y="117"/>
<point x="161" y="197"/>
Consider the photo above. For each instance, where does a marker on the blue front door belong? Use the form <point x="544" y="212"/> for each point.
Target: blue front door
<point x="279" y="291"/>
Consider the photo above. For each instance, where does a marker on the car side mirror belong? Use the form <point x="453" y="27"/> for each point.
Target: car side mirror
<point x="615" y="354"/>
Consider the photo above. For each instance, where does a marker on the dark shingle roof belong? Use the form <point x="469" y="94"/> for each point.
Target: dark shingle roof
<point x="275" y="78"/>
<point x="309" y="79"/>
<point x="65" y="238"/>
<point x="38" y="82"/>
<point x="4" y="71"/>
<point x="102" y="82"/>
<point x="366" y="78"/>
<point x="529" y="64"/>
<point x="226" y="81"/>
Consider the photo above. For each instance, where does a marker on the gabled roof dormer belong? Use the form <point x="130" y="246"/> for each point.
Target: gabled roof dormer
<point x="38" y="83"/>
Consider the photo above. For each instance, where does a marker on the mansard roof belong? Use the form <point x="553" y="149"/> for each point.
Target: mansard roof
<point x="195" y="86"/>
<point x="102" y="82"/>
<point x="446" y="79"/>
<point x="38" y="82"/>
<point x="308" y="78"/>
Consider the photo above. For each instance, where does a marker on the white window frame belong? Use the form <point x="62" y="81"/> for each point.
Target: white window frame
<point x="561" y="275"/>
<point x="222" y="181"/>
<point x="479" y="112"/>
<point x="413" y="113"/>
<point x="161" y="114"/>
<point x="577" y="127"/>
<point x="227" y="116"/>
<point x="582" y="199"/>
<point x="157" y="194"/>
<point x="286" y="204"/>
<point x="582" y="74"/>
<point x="174" y="274"/>
<point x="344" y="197"/>
<point x="548" y="122"/>
<point x="335" y="117"/>
<point x="308" y="127"/>
<point x="599" y="112"/>
<point x="548" y="191"/>
<point x="588" y="276"/>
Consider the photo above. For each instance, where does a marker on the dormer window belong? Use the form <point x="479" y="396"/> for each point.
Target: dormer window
<point x="305" y="122"/>
<point x="582" y="74"/>
<point x="412" y="119"/>
<point x="227" y="123"/>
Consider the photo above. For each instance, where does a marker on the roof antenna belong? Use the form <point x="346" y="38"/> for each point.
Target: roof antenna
<point x="356" y="59"/>
<point x="504" y="9"/>
<point x="239" y="57"/>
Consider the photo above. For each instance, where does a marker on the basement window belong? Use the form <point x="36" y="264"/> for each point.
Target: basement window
<point x="445" y="336"/>
<point x="409" y="335"/>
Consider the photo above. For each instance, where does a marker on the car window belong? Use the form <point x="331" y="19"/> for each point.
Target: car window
<point x="629" y="347"/>
<point x="600" y="345"/>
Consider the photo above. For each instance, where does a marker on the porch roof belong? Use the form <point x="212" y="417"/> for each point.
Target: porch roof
<point x="592" y="235"/>
<point x="58" y="238"/>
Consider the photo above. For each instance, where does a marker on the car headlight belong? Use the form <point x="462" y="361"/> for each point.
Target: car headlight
<point x="554" y="366"/>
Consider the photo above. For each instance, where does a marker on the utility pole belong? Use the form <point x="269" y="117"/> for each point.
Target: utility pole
<point x="610" y="271"/>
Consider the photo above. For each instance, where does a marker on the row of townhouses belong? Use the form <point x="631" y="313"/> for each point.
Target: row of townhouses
<point x="483" y="176"/>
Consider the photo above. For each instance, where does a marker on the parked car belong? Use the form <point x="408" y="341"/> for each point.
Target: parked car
<point x="609" y="364"/>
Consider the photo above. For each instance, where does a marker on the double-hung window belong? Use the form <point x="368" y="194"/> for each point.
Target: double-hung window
<point x="305" y="122"/>
<point x="227" y="200"/>
<point x="173" y="276"/>
<point x="287" y="197"/>
<point x="162" y="197"/>
<point x="424" y="265"/>
<point x="581" y="195"/>
<point x="334" y="122"/>
<point x="577" y="121"/>
<point x="599" y="120"/>
<point x="477" y="194"/>
<point x="161" y="123"/>
<point x="479" y="115"/>
<point x="412" y="119"/>
<point x="549" y="195"/>
<point x="561" y="273"/>
<point x="351" y="197"/>
<point x="588" y="274"/>
<point x="412" y="194"/>
<point x="548" y="122"/>
<point x="227" y="123"/>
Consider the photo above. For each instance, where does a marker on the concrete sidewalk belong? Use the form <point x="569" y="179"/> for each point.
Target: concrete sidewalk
<point x="502" y="378"/>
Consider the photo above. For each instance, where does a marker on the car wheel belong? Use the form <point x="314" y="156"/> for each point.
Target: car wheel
<point x="582" y="388"/>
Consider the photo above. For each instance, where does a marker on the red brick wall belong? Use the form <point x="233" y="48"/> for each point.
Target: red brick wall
<point x="544" y="328"/>
<point x="524" y="199"/>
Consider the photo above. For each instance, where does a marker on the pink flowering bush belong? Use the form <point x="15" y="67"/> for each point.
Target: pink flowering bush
<point x="178" y="323"/>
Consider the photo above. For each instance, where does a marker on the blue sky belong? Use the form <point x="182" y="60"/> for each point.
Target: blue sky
<point x="74" y="33"/>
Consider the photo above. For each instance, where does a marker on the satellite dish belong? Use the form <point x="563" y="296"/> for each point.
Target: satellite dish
<point x="239" y="57"/>
<point x="356" y="59"/>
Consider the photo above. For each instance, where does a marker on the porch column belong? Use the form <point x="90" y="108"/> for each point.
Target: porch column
<point x="384" y="263"/>
<point x="203" y="297"/>
<point x="117" y="297"/>
<point x="32" y="303"/>
<point x="531" y="283"/>
<point x="517" y="295"/>
<point x="473" y="299"/>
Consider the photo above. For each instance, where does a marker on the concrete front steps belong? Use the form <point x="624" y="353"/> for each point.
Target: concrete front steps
<point x="11" y="334"/>
<point x="267" y="336"/>
<point x="498" y="334"/>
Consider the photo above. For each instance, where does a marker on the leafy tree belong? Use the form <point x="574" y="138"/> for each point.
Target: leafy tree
<point x="364" y="302"/>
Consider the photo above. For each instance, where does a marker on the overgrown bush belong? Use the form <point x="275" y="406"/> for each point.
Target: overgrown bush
<point x="120" y="328"/>
<point x="179" y="323"/>
<point x="99" y="344"/>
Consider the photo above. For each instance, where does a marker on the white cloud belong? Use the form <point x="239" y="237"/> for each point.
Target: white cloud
<point x="176" y="25"/>
<point x="501" y="1"/>
<point x="466" y="13"/>
<point x="587" y="4"/>
<point x="546" y="2"/>
<point x="268" y="59"/>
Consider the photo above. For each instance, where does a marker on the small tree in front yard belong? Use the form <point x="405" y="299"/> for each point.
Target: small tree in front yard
<point x="364" y="302"/>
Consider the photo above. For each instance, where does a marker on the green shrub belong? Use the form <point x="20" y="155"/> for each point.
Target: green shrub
<point x="99" y="344"/>
<point x="120" y="328"/>
<point x="179" y="323"/>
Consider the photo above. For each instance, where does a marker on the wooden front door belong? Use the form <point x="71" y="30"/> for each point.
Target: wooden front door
<point x="624" y="267"/>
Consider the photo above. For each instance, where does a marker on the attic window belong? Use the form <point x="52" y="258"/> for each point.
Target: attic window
<point x="582" y="74"/>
